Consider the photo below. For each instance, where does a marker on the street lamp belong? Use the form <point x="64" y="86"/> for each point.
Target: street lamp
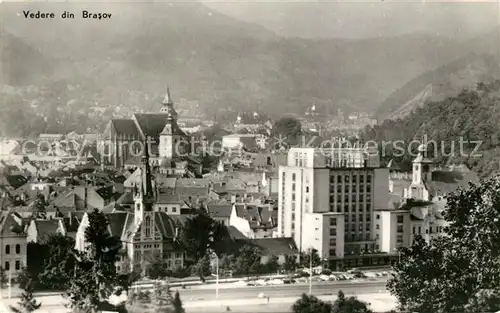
<point x="399" y="254"/>
<point x="216" y="274"/>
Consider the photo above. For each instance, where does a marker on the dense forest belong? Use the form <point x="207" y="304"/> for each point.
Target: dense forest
<point x="468" y="117"/>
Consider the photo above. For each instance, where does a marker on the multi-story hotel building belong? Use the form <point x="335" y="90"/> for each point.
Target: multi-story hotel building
<point x="327" y="199"/>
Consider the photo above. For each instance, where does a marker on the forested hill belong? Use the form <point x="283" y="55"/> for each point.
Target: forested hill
<point x="470" y="116"/>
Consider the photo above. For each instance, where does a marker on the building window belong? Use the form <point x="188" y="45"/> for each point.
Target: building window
<point x="147" y="226"/>
<point x="339" y="179"/>
<point x="400" y="218"/>
<point x="307" y="189"/>
<point x="378" y="216"/>
<point x="7" y="249"/>
<point x="18" y="265"/>
<point x="346" y="178"/>
<point x="333" y="232"/>
<point x="333" y="221"/>
<point x="332" y="252"/>
<point x="18" y="248"/>
<point x="293" y="187"/>
<point x="333" y="242"/>
<point x="293" y="176"/>
<point x="400" y="229"/>
<point x="7" y="266"/>
<point x="369" y="178"/>
<point x="377" y="226"/>
<point x="174" y="210"/>
<point x="361" y="178"/>
<point x="178" y="255"/>
<point x="413" y="229"/>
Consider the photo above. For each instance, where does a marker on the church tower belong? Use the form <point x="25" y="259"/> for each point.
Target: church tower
<point x="144" y="196"/>
<point x="168" y="105"/>
<point x="173" y="141"/>
<point x="421" y="173"/>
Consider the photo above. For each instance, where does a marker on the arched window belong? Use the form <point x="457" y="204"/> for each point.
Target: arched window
<point x="7" y="249"/>
<point x="147" y="226"/>
<point x="18" y="248"/>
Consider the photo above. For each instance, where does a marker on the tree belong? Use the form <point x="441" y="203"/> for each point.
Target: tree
<point x="272" y="265"/>
<point x="177" y="303"/>
<point x="157" y="268"/>
<point x="95" y="274"/>
<point x="129" y="276"/>
<point x="290" y="264"/>
<point x="202" y="268"/>
<point x="28" y="303"/>
<point x="199" y="234"/>
<point x="247" y="260"/>
<point x="59" y="265"/>
<point x="311" y="304"/>
<point x="4" y="280"/>
<point x="349" y="305"/>
<point x="39" y="207"/>
<point x="305" y="259"/>
<point x="459" y="272"/>
<point x="289" y="129"/>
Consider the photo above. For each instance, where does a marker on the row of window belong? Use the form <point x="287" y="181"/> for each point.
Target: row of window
<point x="353" y="206"/>
<point x="354" y="198"/>
<point x="438" y="229"/>
<point x="18" y="249"/>
<point x="7" y="265"/>
<point x="348" y="178"/>
<point x="353" y="188"/>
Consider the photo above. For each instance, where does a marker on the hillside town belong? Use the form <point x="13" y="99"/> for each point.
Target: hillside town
<point x="339" y="202"/>
<point x="249" y="156"/>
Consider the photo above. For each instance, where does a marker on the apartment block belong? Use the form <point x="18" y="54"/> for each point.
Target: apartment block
<point x="319" y="188"/>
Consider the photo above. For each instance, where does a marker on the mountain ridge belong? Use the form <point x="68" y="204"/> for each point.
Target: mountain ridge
<point x="225" y="64"/>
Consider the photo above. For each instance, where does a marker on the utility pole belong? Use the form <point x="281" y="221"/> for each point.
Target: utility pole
<point x="310" y="271"/>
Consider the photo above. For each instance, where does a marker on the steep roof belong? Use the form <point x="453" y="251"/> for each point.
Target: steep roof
<point x="45" y="228"/>
<point x="151" y="124"/>
<point x="126" y="127"/>
<point x="220" y="210"/>
<point x="11" y="225"/>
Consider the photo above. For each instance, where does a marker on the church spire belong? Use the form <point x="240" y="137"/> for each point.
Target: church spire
<point x="167" y="99"/>
<point x="146" y="186"/>
<point x="168" y="105"/>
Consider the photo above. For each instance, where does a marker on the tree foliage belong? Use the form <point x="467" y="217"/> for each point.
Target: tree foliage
<point x="311" y="304"/>
<point x="177" y="303"/>
<point x="200" y="234"/>
<point x="272" y="265"/>
<point x="28" y="302"/>
<point x="202" y="268"/>
<point x="4" y="280"/>
<point x="59" y="266"/>
<point x="290" y="264"/>
<point x="349" y="305"/>
<point x="95" y="272"/>
<point x="459" y="272"/>
<point x="247" y="260"/>
<point x="305" y="259"/>
<point x="471" y="116"/>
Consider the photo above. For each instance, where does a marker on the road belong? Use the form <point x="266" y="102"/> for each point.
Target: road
<point x="294" y="290"/>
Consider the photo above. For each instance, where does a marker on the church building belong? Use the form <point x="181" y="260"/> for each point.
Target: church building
<point x="123" y="139"/>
